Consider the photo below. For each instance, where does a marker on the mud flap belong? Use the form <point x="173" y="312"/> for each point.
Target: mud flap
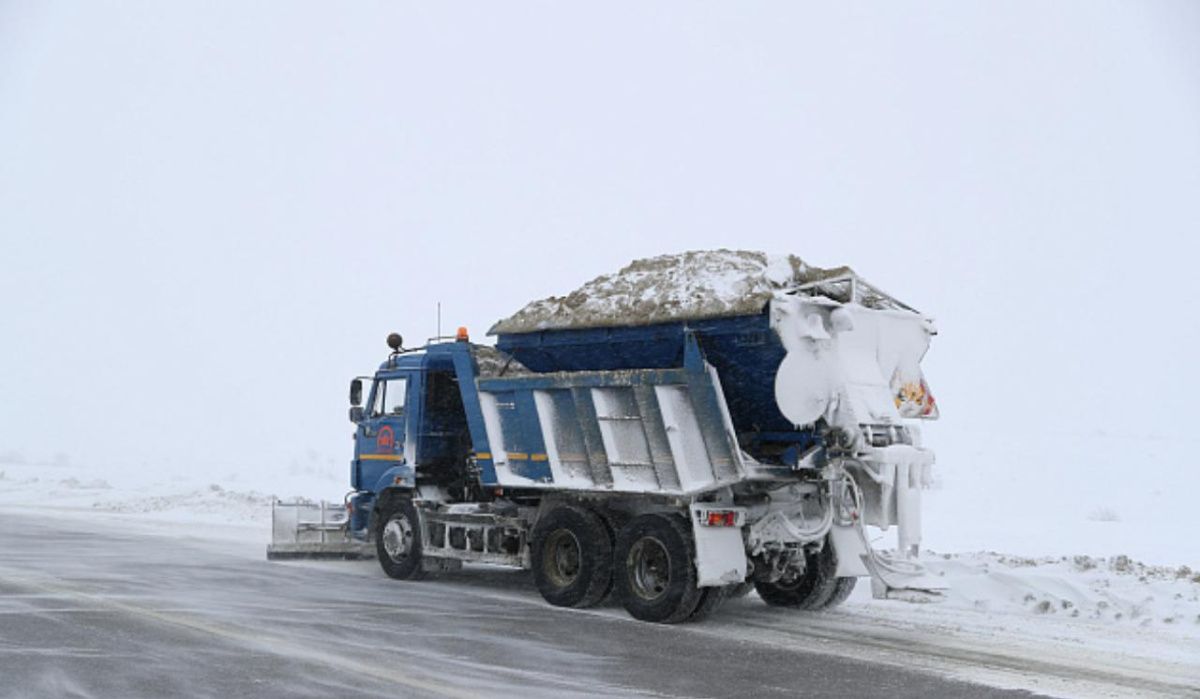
<point x="720" y="551"/>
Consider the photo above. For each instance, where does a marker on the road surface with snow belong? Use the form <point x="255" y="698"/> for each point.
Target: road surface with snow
<point x="94" y="606"/>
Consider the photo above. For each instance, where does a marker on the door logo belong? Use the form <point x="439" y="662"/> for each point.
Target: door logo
<point x="386" y="440"/>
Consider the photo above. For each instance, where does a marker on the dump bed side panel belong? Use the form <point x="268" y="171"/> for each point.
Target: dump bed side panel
<point x="744" y="350"/>
<point x="662" y="431"/>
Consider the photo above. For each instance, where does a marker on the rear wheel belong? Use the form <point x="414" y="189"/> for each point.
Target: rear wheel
<point x="398" y="540"/>
<point x="711" y="599"/>
<point x="739" y="590"/>
<point x="571" y="553"/>
<point x="811" y="589"/>
<point x="841" y="592"/>
<point x="654" y="571"/>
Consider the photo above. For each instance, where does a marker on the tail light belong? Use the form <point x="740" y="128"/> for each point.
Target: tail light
<point x="720" y="517"/>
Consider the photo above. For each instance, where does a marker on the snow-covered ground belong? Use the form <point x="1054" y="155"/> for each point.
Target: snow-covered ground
<point x="1052" y="494"/>
<point x="1099" y="573"/>
<point x="177" y="496"/>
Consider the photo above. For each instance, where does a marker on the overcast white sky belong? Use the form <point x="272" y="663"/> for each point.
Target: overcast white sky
<point x="211" y="214"/>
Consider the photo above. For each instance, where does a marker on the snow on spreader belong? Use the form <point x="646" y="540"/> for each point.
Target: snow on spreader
<point x="673" y="434"/>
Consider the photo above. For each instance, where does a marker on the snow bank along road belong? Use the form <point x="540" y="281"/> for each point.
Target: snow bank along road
<point x="99" y="608"/>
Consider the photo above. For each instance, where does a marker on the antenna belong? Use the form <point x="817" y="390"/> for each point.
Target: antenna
<point x="439" y="321"/>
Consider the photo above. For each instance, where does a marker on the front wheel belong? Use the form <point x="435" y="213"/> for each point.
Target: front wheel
<point x="398" y="540"/>
<point x="654" y="572"/>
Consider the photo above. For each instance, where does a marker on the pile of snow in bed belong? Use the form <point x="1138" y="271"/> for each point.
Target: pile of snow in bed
<point x="685" y="286"/>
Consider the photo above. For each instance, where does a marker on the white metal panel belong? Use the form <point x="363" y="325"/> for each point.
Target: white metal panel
<point x="727" y="420"/>
<point x="624" y="438"/>
<point x="569" y="472"/>
<point x="621" y="426"/>
<point x="683" y="433"/>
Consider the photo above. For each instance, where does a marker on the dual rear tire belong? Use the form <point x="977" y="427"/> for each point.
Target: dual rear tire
<point x="655" y="573"/>
<point x="571" y="556"/>
<point x="650" y="566"/>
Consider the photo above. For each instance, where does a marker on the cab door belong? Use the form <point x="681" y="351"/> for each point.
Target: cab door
<point x="379" y="439"/>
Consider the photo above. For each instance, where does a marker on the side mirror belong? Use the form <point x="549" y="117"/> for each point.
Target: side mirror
<point x="356" y="414"/>
<point x="356" y="392"/>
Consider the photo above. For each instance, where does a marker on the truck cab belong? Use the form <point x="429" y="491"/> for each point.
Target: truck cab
<point x="412" y="430"/>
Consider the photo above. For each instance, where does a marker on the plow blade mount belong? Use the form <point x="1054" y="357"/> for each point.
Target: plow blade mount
<point x="903" y="579"/>
<point x="304" y="529"/>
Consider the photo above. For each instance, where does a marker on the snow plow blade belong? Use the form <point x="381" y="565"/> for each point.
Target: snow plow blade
<point x="342" y="552"/>
<point x="307" y="530"/>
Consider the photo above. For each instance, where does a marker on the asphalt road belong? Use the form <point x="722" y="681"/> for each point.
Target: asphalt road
<point x="96" y="609"/>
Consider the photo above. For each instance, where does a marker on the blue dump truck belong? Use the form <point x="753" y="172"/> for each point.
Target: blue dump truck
<point x="672" y="461"/>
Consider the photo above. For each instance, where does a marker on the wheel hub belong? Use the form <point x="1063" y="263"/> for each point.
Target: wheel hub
<point x="562" y="558"/>
<point x="649" y="568"/>
<point x="397" y="539"/>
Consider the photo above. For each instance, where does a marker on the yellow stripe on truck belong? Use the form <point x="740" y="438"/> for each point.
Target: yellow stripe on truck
<point x="382" y="457"/>
<point x="522" y="456"/>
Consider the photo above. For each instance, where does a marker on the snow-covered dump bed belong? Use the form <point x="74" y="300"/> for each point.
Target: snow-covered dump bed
<point x="491" y="363"/>
<point x="639" y="317"/>
<point x="684" y="286"/>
